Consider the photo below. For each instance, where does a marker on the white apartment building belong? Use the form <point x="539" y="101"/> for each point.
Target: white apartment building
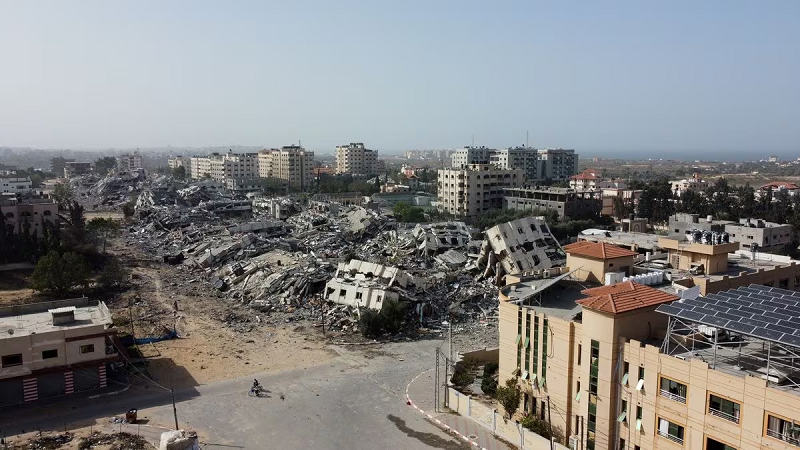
<point x="129" y="162"/>
<point x="475" y="189"/>
<point x="199" y="167"/>
<point x="525" y="158"/>
<point x="463" y="157"/>
<point x="357" y="160"/>
<point x="15" y="185"/>
<point x="177" y="161"/>
<point x="291" y="163"/>
<point x="692" y="184"/>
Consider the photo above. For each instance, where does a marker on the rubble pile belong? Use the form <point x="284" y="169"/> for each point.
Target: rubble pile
<point x="287" y="261"/>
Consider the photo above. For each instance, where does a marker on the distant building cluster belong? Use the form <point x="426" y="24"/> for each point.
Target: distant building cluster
<point x="538" y="165"/>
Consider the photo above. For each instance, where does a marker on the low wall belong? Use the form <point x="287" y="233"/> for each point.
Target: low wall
<point x="494" y="421"/>
<point x="486" y="355"/>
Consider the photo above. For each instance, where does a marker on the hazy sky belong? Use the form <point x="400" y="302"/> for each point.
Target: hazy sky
<point x="705" y="76"/>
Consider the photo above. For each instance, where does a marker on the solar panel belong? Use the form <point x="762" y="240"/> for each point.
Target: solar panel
<point x="763" y="312"/>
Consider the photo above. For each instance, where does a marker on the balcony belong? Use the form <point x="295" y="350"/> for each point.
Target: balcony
<point x="724" y="415"/>
<point x="671" y="396"/>
<point x="671" y="437"/>
<point x="783" y="437"/>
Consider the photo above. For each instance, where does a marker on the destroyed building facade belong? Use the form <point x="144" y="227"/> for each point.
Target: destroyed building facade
<point x="365" y="285"/>
<point x="521" y="246"/>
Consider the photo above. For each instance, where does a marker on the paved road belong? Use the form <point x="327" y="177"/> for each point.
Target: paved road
<point x="355" y="401"/>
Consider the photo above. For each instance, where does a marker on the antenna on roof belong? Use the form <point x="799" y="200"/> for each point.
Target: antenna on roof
<point x="473" y="139"/>
<point x="526" y="138"/>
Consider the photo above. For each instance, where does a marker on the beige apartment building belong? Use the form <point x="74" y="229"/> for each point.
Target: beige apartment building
<point x="628" y="366"/>
<point x="54" y="348"/>
<point x="475" y="189"/>
<point x="357" y="160"/>
<point x="76" y="169"/>
<point x="32" y="213"/>
<point x="130" y="161"/>
<point x="291" y="163"/>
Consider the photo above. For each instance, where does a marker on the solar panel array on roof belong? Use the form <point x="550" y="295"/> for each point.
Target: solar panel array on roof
<point x="762" y="312"/>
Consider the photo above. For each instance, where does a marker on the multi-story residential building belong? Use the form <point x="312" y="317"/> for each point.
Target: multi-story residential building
<point x="57" y="165"/>
<point x="357" y="160"/>
<point x="233" y="165"/>
<point x="626" y="366"/>
<point x="200" y="166"/>
<point x="76" y="169"/>
<point x="33" y="214"/>
<point x="693" y="184"/>
<point x="54" y="348"/>
<point x="566" y="202"/>
<point x="129" y="162"/>
<point x="467" y="156"/>
<point x="291" y="163"/>
<point x="475" y="189"/>
<point x="15" y="185"/>
<point x="769" y="236"/>
<point x="557" y="164"/>
<point x="590" y="179"/>
<point x="177" y="161"/>
<point x="525" y="158"/>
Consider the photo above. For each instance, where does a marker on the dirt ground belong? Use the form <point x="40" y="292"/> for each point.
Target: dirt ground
<point x="13" y="287"/>
<point x="208" y="349"/>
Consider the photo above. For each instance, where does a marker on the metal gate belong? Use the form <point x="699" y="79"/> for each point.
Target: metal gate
<point x="51" y="385"/>
<point x="86" y="378"/>
<point x="11" y="392"/>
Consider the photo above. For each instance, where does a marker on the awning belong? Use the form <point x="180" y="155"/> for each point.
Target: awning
<point x="533" y="378"/>
<point x="519" y="338"/>
<point x="640" y="385"/>
<point x="527" y="342"/>
<point x="578" y="396"/>
<point x="638" y="424"/>
<point x="625" y="379"/>
<point x="541" y="381"/>
<point x="622" y="416"/>
<point x="525" y="375"/>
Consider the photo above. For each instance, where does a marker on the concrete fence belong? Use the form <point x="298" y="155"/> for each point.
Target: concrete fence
<point x="494" y="421"/>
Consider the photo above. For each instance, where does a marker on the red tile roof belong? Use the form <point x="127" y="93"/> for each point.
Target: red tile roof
<point x="597" y="250"/>
<point x="623" y="297"/>
<point x="779" y="185"/>
<point x="588" y="174"/>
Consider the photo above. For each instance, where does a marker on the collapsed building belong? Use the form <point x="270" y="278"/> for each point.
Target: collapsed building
<point x="520" y="247"/>
<point x="365" y="285"/>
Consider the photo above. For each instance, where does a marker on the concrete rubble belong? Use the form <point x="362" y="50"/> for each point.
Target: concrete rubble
<point x="289" y="259"/>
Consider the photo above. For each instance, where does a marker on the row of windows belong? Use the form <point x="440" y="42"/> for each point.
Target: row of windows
<point x="15" y="359"/>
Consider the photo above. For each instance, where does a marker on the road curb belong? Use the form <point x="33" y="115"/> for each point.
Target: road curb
<point x="108" y="394"/>
<point x="441" y="424"/>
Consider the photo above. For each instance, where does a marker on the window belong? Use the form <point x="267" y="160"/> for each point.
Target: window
<point x="784" y="430"/>
<point x="621" y="444"/>
<point x="536" y="344"/>
<point x="49" y="354"/>
<point x="625" y="371"/>
<point x="623" y="415"/>
<point x="359" y="295"/>
<point x="641" y="373"/>
<point x="579" y="354"/>
<point x="784" y="283"/>
<point x="342" y="292"/>
<point x="673" y="390"/>
<point x="12" y="360"/>
<point x="527" y="341"/>
<point x="544" y="349"/>
<point x="669" y="430"/>
<point x="724" y="408"/>
<point x="89" y="348"/>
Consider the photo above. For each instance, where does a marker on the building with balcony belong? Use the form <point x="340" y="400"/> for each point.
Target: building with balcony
<point x="76" y="169"/>
<point x="357" y="160"/>
<point x="178" y="161"/>
<point x="760" y="235"/>
<point x="692" y="184"/>
<point x="290" y="163"/>
<point x="557" y="164"/>
<point x="129" y="162"/>
<point x="631" y="367"/>
<point x="566" y="202"/>
<point x="590" y="179"/>
<point x="467" y="156"/>
<point x="54" y="348"/>
<point x="475" y="189"/>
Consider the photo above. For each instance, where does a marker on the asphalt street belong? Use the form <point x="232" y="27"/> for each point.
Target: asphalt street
<point x="355" y="401"/>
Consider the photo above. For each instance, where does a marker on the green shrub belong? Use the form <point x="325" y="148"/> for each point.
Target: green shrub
<point x="462" y="377"/>
<point x="489" y="385"/>
<point x="490" y="369"/>
<point x="370" y="323"/>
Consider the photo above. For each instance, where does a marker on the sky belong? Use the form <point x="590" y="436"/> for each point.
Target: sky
<point x="619" y="78"/>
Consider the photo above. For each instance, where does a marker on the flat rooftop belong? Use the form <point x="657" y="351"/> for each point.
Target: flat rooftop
<point x="742" y="262"/>
<point x="643" y="241"/>
<point x="40" y="321"/>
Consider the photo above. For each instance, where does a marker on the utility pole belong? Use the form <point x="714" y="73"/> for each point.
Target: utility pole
<point x="450" y="337"/>
<point x="130" y="313"/>
<point x="550" y="422"/>
<point x="323" y="316"/>
<point x="174" y="410"/>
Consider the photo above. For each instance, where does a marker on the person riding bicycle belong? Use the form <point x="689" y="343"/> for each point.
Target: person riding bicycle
<point x="256" y="386"/>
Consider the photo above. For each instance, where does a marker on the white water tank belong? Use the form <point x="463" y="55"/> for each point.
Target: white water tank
<point x="614" y="278"/>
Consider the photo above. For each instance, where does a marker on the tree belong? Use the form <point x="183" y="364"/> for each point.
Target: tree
<point x="113" y="276"/>
<point x="103" y="229"/>
<point x="59" y="274"/>
<point x="104" y="165"/>
<point x="63" y="194"/>
<point x="407" y="213"/>
<point x="179" y="173"/>
<point x="508" y="396"/>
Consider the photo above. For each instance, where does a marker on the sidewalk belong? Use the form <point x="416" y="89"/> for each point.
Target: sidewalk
<point x="420" y="393"/>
